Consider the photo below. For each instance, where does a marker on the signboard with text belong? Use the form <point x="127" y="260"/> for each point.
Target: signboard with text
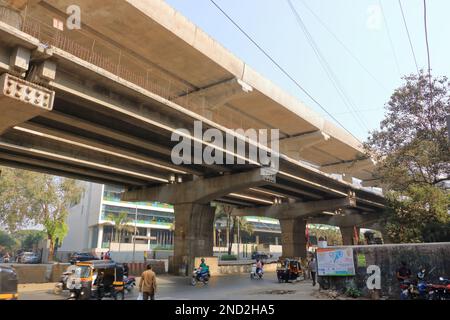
<point x="335" y="262"/>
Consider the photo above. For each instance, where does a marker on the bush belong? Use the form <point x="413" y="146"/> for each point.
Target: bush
<point x="228" y="257"/>
<point x="353" y="292"/>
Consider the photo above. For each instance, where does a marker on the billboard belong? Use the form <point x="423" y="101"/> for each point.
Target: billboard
<point x="335" y="262"/>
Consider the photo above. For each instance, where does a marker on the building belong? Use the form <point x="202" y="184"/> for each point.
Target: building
<point x="91" y="227"/>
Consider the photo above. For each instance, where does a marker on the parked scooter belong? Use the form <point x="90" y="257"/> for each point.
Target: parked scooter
<point x="198" y="276"/>
<point x="130" y="283"/>
<point x="256" y="274"/>
<point x="441" y="290"/>
<point x="62" y="284"/>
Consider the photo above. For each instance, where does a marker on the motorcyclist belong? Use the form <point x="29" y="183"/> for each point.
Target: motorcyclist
<point x="203" y="268"/>
<point x="259" y="266"/>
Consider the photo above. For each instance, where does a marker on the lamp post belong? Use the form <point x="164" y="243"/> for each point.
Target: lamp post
<point x="135" y="229"/>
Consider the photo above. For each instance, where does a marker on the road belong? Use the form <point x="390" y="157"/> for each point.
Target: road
<point x="230" y="287"/>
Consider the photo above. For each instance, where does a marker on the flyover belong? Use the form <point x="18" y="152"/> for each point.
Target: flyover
<point x="75" y="103"/>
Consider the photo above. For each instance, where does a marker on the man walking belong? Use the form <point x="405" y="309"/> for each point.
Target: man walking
<point x="312" y="267"/>
<point x="147" y="284"/>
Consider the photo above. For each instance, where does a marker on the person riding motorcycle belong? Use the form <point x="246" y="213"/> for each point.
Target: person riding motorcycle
<point x="259" y="266"/>
<point x="203" y="269"/>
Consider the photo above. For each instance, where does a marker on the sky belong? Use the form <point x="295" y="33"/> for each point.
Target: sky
<point x="367" y="67"/>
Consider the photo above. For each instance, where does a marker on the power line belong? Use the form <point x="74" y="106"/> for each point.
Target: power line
<point x="344" y="46"/>
<point x="280" y="67"/>
<point x="327" y="68"/>
<point x="428" y="48"/>
<point x="390" y="38"/>
<point x="409" y="37"/>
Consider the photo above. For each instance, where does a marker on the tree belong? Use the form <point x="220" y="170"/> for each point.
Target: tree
<point x="7" y="242"/>
<point x="15" y="206"/>
<point x="120" y="224"/>
<point x="413" y="159"/>
<point x="413" y="212"/>
<point x="39" y="199"/>
<point x="29" y="239"/>
<point x="411" y="146"/>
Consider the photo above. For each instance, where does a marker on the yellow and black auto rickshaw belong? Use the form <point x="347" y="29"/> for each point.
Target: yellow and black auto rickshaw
<point x="8" y="283"/>
<point x="96" y="279"/>
<point x="289" y="270"/>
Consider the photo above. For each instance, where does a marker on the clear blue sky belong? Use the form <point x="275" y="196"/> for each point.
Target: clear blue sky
<point x="359" y="24"/>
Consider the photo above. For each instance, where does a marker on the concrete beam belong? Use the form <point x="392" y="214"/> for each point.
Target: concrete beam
<point x="298" y="209"/>
<point x="371" y="183"/>
<point x="349" y="166"/>
<point x="20" y="59"/>
<point x="348" y="219"/>
<point x="216" y="95"/>
<point x="293" y="146"/>
<point x="200" y="190"/>
<point x="21" y="101"/>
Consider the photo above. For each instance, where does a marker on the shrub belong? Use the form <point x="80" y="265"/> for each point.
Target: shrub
<point x="227" y="257"/>
<point x="353" y="292"/>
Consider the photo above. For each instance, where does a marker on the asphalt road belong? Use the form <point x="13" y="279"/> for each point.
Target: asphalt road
<point x="230" y="287"/>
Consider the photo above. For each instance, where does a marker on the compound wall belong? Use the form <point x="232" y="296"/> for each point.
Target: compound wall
<point x="433" y="257"/>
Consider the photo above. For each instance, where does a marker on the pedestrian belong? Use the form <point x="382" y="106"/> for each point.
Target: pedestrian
<point x="312" y="267"/>
<point x="6" y="258"/>
<point x="125" y="270"/>
<point x="102" y="256"/>
<point x="403" y="273"/>
<point x="147" y="284"/>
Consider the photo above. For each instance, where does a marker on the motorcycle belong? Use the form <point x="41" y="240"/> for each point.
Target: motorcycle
<point x="130" y="283"/>
<point x="440" y="291"/>
<point x="418" y="289"/>
<point x="62" y="284"/>
<point x="198" y="276"/>
<point x="256" y="275"/>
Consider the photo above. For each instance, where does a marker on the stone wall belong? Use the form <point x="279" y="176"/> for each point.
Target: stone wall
<point x="388" y="258"/>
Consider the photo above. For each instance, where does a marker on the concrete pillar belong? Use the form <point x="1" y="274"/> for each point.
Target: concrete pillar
<point x="347" y="235"/>
<point x="90" y="236"/>
<point x="100" y="237"/>
<point x="293" y="240"/>
<point x="193" y="234"/>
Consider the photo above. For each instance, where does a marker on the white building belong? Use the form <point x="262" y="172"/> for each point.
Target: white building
<point x="91" y="229"/>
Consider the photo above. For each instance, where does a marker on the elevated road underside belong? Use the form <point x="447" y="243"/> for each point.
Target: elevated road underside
<point x="75" y="115"/>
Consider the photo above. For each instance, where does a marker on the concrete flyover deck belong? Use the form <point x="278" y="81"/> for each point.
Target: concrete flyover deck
<point x="105" y="123"/>
<point x="162" y="49"/>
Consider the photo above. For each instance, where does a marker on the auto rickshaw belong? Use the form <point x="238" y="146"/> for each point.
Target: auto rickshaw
<point x="96" y="279"/>
<point x="288" y="270"/>
<point x="8" y="283"/>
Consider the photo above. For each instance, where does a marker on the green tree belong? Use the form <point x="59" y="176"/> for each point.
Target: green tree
<point x="29" y="239"/>
<point x="413" y="159"/>
<point x="7" y="242"/>
<point x="37" y="199"/>
<point x="120" y="221"/>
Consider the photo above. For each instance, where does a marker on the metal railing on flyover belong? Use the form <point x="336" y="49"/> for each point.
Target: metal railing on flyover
<point x="123" y="64"/>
